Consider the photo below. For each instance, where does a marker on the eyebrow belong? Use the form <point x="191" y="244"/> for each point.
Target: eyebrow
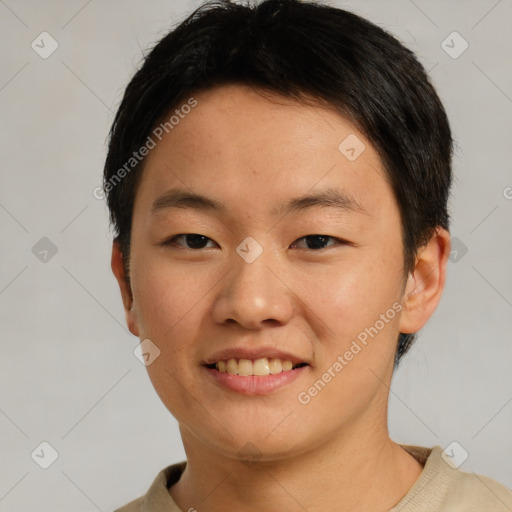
<point x="180" y="198"/>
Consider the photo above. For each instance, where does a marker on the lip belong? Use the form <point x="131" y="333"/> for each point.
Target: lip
<point x="253" y="353"/>
<point x="253" y="384"/>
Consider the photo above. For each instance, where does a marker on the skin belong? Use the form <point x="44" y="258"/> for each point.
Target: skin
<point x="253" y="151"/>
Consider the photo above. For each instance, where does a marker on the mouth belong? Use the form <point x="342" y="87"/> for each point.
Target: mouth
<point x="260" y="367"/>
<point x="260" y="376"/>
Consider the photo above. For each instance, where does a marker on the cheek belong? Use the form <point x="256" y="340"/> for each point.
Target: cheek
<point x="356" y="345"/>
<point x="345" y="303"/>
<point x="170" y="304"/>
<point x="168" y="298"/>
<point x="350" y="293"/>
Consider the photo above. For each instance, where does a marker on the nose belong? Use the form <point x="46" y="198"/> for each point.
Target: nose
<point x="254" y="294"/>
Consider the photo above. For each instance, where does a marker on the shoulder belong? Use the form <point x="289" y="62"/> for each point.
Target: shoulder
<point x="157" y="498"/>
<point x="477" y="493"/>
<point x="445" y="488"/>
<point x="133" y="506"/>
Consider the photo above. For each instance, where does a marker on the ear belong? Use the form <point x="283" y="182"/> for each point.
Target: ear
<point x="425" y="283"/>
<point x="124" y="285"/>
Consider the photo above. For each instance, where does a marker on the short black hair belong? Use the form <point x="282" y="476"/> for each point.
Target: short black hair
<point x="299" y="50"/>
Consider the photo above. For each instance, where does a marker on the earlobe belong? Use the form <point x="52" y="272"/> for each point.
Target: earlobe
<point x="125" y="288"/>
<point x="426" y="282"/>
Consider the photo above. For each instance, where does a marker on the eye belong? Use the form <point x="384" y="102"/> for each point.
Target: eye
<point x="315" y="242"/>
<point x="193" y="241"/>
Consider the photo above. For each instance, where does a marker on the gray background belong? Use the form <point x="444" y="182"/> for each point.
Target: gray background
<point x="68" y="373"/>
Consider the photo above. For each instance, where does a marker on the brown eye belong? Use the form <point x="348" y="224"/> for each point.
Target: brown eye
<point x="315" y="242"/>
<point x="191" y="240"/>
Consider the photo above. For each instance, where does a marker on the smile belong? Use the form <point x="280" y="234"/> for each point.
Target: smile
<point x="255" y="376"/>
<point x="260" y="367"/>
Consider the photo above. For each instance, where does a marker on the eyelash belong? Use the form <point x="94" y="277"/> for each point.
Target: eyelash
<point x="172" y="241"/>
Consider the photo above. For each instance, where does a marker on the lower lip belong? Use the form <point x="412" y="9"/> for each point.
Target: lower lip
<point x="255" y="384"/>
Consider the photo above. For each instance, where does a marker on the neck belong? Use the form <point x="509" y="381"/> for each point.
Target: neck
<point x="350" y="472"/>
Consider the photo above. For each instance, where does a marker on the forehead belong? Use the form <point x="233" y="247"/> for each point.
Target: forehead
<point x="247" y="146"/>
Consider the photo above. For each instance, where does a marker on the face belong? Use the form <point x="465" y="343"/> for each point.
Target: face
<point x="256" y="238"/>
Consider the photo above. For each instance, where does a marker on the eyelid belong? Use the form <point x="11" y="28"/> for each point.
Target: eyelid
<point x="339" y="241"/>
<point x="171" y="241"/>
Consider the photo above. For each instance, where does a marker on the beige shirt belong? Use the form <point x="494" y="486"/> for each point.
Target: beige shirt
<point x="440" y="488"/>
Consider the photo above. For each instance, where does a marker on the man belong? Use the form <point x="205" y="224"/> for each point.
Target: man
<point x="278" y="179"/>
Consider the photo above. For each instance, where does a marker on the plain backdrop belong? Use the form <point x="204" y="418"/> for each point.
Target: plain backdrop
<point x="68" y="373"/>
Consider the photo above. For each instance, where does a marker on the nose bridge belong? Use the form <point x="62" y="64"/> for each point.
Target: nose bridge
<point x="252" y="266"/>
<point x="253" y="293"/>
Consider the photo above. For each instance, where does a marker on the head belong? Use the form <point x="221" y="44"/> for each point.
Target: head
<point x="252" y="108"/>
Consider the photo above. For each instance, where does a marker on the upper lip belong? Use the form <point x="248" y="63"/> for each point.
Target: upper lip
<point x="253" y="353"/>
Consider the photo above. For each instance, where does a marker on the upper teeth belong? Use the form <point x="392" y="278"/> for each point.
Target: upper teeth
<point x="246" y="367"/>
